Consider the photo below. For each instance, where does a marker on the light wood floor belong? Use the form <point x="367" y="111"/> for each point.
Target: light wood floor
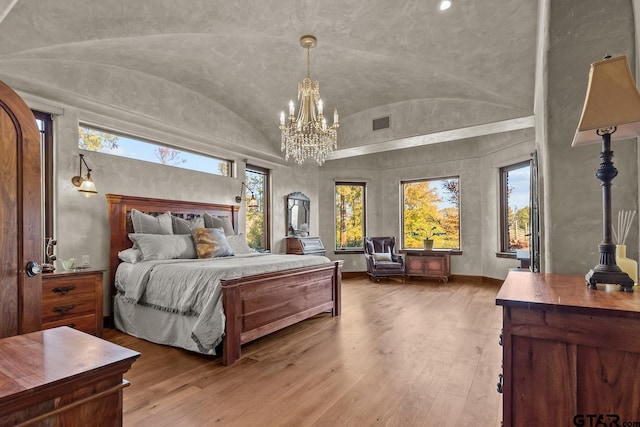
<point x="420" y="353"/>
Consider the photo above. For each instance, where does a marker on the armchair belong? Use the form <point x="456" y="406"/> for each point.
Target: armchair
<point x="382" y="259"/>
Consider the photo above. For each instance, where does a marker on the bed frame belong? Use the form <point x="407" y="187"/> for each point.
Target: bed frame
<point x="255" y="305"/>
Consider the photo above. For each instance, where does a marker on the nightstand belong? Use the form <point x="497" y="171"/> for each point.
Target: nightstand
<point x="305" y="245"/>
<point x="74" y="299"/>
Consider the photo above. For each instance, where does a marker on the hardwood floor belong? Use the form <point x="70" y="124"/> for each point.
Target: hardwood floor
<point x="420" y="353"/>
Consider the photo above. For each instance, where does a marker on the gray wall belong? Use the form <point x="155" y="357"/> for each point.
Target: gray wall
<point x="476" y="161"/>
<point x="582" y="32"/>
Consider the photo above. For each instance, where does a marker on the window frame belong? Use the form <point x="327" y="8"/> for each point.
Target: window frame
<point x="266" y="204"/>
<point x="47" y="172"/>
<point x="503" y="237"/>
<point x="457" y="250"/>
<point x="353" y="183"/>
<point x="229" y="163"/>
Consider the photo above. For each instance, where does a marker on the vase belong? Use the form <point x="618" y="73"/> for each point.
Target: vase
<point x="627" y="265"/>
<point x="428" y="244"/>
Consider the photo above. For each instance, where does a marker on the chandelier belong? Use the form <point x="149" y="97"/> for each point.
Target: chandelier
<point x="307" y="134"/>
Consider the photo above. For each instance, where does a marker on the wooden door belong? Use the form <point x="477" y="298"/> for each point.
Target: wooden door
<point x="20" y="215"/>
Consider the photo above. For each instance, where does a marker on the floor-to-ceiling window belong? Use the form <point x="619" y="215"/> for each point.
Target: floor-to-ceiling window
<point x="350" y="215"/>
<point x="431" y="210"/>
<point x="257" y="217"/>
<point x="45" y="125"/>
<point x="515" y="194"/>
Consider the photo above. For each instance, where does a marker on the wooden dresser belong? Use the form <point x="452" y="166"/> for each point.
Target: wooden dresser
<point x="571" y="355"/>
<point x="62" y="377"/>
<point x="74" y="299"/>
<point x="428" y="263"/>
<point x="305" y="245"/>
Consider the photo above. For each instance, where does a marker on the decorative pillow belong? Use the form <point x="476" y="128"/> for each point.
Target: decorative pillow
<point x="211" y="221"/>
<point x="211" y="243"/>
<point x="163" y="246"/>
<point x="131" y="255"/>
<point x="238" y="244"/>
<point x="185" y="226"/>
<point x="149" y="224"/>
<point x="382" y="256"/>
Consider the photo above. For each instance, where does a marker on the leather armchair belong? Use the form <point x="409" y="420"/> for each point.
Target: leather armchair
<point x="382" y="259"/>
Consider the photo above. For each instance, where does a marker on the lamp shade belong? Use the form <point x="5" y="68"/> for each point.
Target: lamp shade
<point x="88" y="187"/>
<point x="612" y="100"/>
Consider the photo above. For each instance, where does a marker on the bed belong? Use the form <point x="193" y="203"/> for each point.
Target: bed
<point x="253" y="305"/>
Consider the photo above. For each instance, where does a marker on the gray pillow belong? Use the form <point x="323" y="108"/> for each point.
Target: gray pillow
<point x="149" y="224"/>
<point x="223" y="222"/>
<point x="131" y="255"/>
<point x="164" y="246"/>
<point x="238" y="244"/>
<point x="185" y="226"/>
<point x="211" y="243"/>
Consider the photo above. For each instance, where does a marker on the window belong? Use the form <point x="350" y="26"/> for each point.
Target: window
<point x="45" y="125"/>
<point x="126" y="146"/>
<point x="257" y="219"/>
<point x="431" y="209"/>
<point x="514" y="206"/>
<point x="350" y="216"/>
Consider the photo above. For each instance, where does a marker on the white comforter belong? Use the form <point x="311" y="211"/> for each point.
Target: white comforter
<point x="191" y="287"/>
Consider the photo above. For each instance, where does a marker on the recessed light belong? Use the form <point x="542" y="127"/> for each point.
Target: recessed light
<point x="444" y="5"/>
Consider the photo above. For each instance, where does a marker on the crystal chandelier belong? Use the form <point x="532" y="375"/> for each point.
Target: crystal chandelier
<point x="307" y="135"/>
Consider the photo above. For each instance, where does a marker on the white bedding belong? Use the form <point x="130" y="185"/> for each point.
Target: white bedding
<point x="191" y="287"/>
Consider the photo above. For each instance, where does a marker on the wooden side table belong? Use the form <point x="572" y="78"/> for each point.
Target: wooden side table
<point x="428" y="263"/>
<point x="73" y="298"/>
<point x="62" y="377"/>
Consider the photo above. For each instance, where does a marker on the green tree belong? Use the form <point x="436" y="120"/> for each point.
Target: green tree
<point x="349" y="205"/>
<point x="94" y="140"/>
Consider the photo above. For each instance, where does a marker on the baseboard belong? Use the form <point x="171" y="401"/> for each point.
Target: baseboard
<point x="354" y="274"/>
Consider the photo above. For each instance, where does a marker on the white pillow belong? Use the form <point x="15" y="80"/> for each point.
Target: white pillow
<point x="185" y="226"/>
<point x="223" y="222"/>
<point x="239" y="244"/>
<point x="149" y="224"/>
<point x="382" y="256"/>
<point x="163" y="246"/>
<point x="131" y="255"/>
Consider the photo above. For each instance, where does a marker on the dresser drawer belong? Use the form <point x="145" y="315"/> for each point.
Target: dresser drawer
<point x="85" y="323"/>
<point x="71" y="286"/>
<point x="69" y="306"/>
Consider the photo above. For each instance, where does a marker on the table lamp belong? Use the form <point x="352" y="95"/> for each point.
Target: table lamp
<point x="611" y="111"/>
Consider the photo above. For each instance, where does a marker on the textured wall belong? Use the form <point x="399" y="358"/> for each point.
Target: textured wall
<point x="581" y="32"/>
<point x="476" y="161"/>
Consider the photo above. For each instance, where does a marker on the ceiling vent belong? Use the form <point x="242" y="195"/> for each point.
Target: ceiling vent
<point x="381" y="123"/>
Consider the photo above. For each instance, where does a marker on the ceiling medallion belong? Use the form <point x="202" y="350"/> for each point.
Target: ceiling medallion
<point x="306" y="135"/>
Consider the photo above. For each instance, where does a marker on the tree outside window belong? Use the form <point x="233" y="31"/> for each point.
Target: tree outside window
<point x="431" y="209"/>
<point x="350" y="215"/>
<point x="257" y="180"/>
<point x="514" y="205"/>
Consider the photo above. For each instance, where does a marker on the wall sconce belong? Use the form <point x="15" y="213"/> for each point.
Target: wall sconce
<point x="611" y="111"/>
<point x="85" y="183"/>
<point x="253" y="203"/>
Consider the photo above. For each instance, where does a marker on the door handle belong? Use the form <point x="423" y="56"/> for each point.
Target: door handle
<point x="33" y="268"/>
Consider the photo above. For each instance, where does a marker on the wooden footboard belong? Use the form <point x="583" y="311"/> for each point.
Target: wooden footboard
<point x="259" y="305"/>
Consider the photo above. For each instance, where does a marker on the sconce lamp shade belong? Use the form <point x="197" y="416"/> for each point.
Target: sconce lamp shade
<point x="88" y="187"/>
<point x="85" y="184"/>
<point x="612" y="100"/>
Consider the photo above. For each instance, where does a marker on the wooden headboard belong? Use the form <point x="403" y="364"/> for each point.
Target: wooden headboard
<point x="120" y="220"/>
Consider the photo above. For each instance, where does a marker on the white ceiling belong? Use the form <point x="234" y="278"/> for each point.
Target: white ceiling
<point x="246" y="56"/>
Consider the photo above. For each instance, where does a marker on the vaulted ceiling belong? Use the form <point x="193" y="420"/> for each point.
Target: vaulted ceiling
<point x="372" y="55"/>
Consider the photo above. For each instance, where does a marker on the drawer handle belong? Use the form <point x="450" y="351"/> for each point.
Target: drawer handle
<point x="63" y="309"/>
<point x="500" y="340"/>
<point x="63" y="290"/>
<point x="500" y="381"/>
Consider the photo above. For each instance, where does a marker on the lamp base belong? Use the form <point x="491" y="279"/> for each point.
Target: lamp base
<point x="621" y="278"/>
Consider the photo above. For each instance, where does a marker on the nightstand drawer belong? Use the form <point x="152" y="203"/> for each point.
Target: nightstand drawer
<point x="73" y="298"/>
<point x="86" y="323"/>
<point x="71" y="286"/>
<point x="70" y="306"/>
